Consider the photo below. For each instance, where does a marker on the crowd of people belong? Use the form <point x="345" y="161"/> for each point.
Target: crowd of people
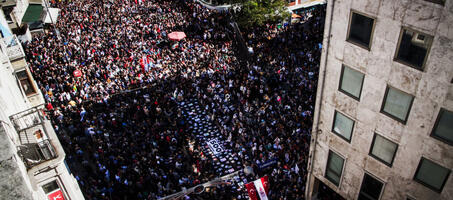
<point x="119" y="122"/>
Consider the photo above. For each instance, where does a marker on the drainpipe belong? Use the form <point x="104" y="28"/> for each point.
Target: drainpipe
<point x="319" y="95"/>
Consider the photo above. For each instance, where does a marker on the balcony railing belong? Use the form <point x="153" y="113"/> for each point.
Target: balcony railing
<point x="28" y="118"/>
<point x="14" y="49"/>
<point x="36" y="153"/>
<point x="33" y="129"/>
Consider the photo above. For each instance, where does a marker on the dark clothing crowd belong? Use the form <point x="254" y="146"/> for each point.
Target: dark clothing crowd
<point x="119" y="121"/>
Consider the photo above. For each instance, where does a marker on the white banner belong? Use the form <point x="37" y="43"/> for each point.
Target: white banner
<point x="260" y="189"/>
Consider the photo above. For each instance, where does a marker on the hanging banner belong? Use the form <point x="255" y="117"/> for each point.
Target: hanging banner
<point x="57" y="195"/>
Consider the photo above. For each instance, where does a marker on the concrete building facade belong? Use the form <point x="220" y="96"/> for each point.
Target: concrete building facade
<point x="32" y="160"/>
<point x="384" y="110"/>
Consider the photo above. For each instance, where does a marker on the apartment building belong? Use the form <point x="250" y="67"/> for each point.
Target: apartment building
<point x="383" y="122"/>
<point x="32" y="160"/>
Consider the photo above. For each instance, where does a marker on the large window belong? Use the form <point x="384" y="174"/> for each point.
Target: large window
<point x="342" y="126"/>
<point x="413" y="48"/>
<point x="443" y="129"/>
<point x="371" y="188"/>
<point x="397" y="104"/>
<point x="383" y="149"/>
<point x="360" y="29"/>
<point x="431" y="175"/>
<point x="351" y="82"/>
<point x="25" y="82"/>
<point x="334" y="168"/>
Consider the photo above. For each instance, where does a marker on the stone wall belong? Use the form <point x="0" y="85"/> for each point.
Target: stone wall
<point x="431" y="87"/>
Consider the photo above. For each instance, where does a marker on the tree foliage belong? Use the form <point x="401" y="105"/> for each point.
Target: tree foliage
<point x="260" y="12"/>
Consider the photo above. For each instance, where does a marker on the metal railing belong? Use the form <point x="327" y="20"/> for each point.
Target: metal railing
<point x="28" y="118"/>
<point x="14" y="49"/>
<point x="36" y="153"/>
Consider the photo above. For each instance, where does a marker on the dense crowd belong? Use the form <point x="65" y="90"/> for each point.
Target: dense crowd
<point x="119" y="122"/>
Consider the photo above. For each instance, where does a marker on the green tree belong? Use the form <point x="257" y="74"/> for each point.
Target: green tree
<point x="259" y="12"/>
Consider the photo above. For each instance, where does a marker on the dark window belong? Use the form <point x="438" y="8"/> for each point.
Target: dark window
<point x="360" y="29"/>
<point x="50" y="187"/>
<point x="334" y="168"/>
<point x="441" y="2"/>
<point x="7" y="10"/>
<point x="383" y="149"/>
<point x="413" y="48"/>
<point x="431" y="175"/>
<point x="371" y="188"/>
<point x="25" y="82"/>
<point x="351" y="82"/>
<point x="443" y="129"/>
<point x="397" y="104"/>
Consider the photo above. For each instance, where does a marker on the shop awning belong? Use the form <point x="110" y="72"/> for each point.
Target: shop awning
<point x="52" y="15"/>
<point x="33" y="13"/>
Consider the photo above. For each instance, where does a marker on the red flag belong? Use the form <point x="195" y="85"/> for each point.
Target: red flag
<point x="265" y="182"/>
<point x="251" y="190"/>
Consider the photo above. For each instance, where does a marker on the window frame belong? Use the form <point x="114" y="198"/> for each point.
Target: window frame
<point x="30" y="79"/>
<point x="433" y="130"/>
<point x="349" y="29"/>
<point x="327" y="168"/>
<point x="341" y="81"/>
<point x="338" y="134"/>
<point x="425" y="184"/>
<point x="428" y="50"/>
<point x="389" y="114"/>
<point x="379" y="159"/>
<point x="60" y="185"/>
<point x="374" y="177"/>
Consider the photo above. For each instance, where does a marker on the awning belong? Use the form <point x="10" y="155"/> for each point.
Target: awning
<point x="52" y="15"/>
<point x="33" y="13"/>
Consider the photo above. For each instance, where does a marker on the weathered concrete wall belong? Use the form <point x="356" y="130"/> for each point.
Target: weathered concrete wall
<point x="12" y="184"/>
<point x="431" y="87"/>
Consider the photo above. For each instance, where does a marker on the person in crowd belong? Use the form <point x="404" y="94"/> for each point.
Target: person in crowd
<point x="120" y="123"/>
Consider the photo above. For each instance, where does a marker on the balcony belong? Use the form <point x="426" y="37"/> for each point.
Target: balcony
<point x="13" y="48"/>
<point x="38" y="142"/>
<point x="36" y="153"/>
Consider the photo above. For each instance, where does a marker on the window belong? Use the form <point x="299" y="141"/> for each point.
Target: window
<point x="343" y="126"/>
<point x="371" y="188"/>
<point x="351" y="82"/>
<point x="53" y="191"/>
<point x="413" y="48"/>
<point x="360" y="29"/>
<point x="443" y="129"/>
<point x="383" y="149"/>
<point x="431" y="175"/>
<point x="25" y="82"/>
<point x="7" y="10"/>
<point x="441" y="2"/>
<point x="334" y="168"/>
<point x="397" y="104"/>
<point x="50" y="187"/>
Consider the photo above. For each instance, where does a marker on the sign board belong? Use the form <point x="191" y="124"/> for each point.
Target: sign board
<point x="215" y="146"/>
<point x="57" y="195"/>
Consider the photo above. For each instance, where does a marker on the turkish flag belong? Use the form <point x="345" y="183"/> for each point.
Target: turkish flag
<point x="57" y="195"/>
<point x="251" y="190"/>
<point x="265" y="182"/>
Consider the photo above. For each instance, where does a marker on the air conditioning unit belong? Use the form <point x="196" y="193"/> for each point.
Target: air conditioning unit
<point x="419" y="40"/>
